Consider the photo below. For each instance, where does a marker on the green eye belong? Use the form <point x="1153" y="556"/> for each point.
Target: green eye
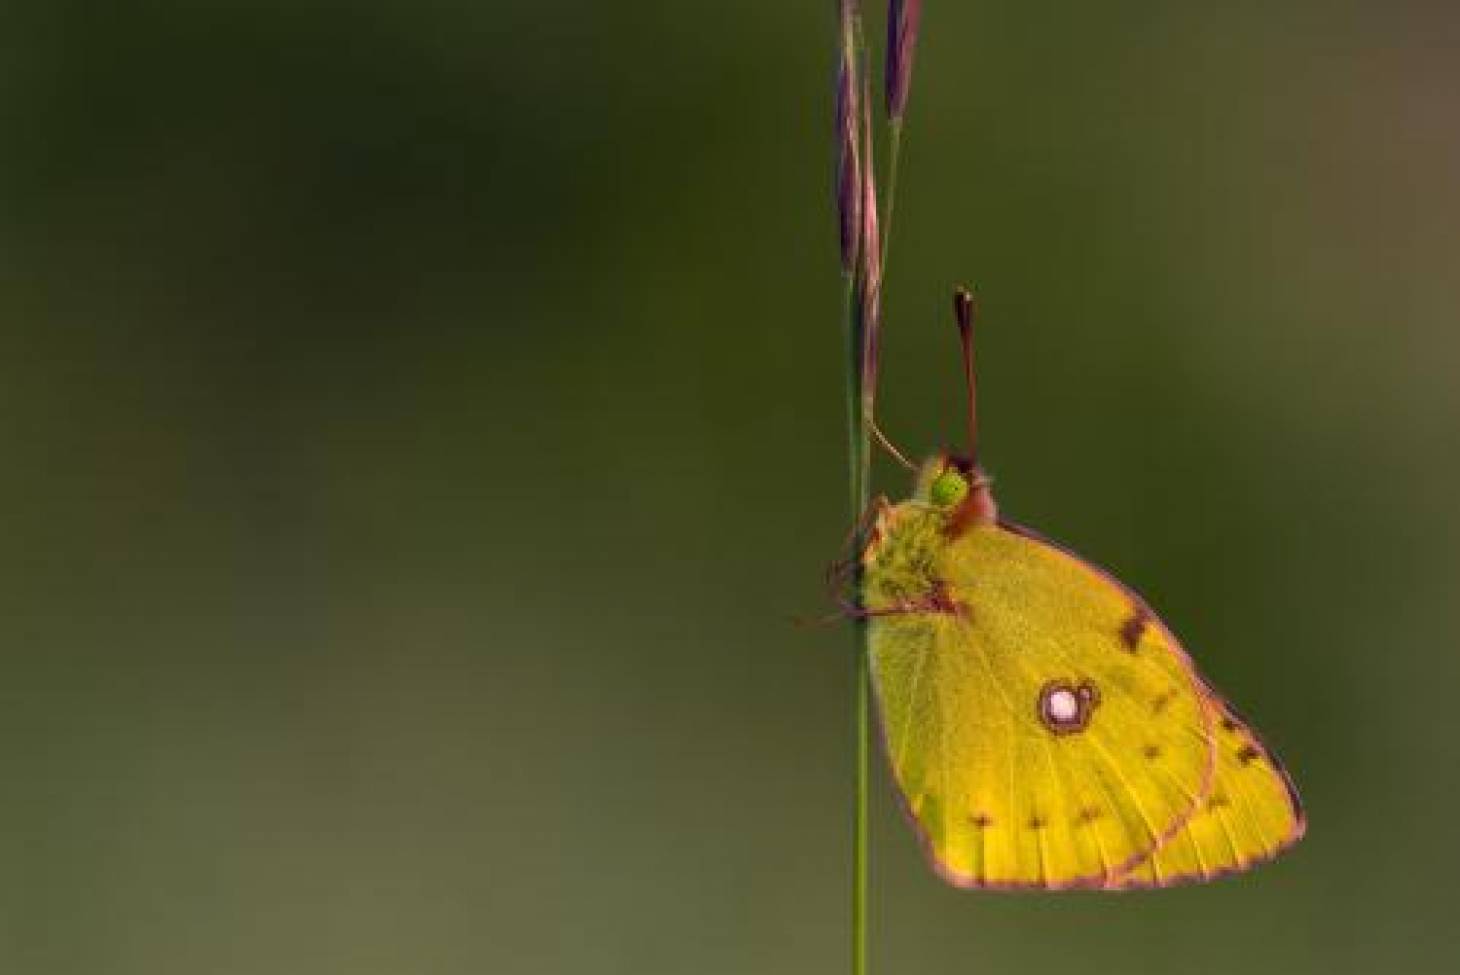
<point x="948" y="488"/>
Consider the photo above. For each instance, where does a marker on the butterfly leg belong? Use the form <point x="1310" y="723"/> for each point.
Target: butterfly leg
<point x="938" y="602"/>
<point x="867" y="527"/>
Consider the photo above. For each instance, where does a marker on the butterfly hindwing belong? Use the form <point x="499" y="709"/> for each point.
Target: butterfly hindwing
<point x="1044" y="728"/>
<point x="1251" y="814"/>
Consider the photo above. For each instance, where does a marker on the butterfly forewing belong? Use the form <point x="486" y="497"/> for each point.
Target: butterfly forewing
<point x="1044" y="728"/>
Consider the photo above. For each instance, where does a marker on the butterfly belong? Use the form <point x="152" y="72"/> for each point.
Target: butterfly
<point x="1045" y="729"/>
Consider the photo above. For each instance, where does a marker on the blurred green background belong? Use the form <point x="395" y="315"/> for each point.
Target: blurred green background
<point x="422" y="421"/>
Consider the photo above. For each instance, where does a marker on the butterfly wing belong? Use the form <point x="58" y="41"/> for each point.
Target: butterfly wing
<point x="1045" y="730"/>
<point x="1251" y="815"/>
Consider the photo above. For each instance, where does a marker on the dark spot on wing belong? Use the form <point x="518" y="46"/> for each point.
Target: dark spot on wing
<point x="1229" y="725"/>
<point x="1217" y="801"/>
<point x="1151" y="751"/>
<point x="1132" y="629"/>
<point x="1088" y="815"/>
<point x="1037" y="822"/>
<point x="1248" y="754"/>
<point x="980" y="820"/>
<point x="1159" y="704"/>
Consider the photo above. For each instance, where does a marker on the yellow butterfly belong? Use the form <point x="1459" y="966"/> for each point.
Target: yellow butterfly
<point x="1045" y="729"/>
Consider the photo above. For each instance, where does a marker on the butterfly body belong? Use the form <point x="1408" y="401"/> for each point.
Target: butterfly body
<point x="1045" y="729"/>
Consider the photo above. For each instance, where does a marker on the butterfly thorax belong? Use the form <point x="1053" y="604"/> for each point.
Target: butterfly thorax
<point x="904" y="563"/>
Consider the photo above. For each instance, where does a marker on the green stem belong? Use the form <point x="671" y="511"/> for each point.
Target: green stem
<point x="859" y="462"/>
<point x="859" y="418"/>
<point x="859" y="817"/>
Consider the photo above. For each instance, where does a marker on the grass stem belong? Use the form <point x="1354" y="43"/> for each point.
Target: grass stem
<point x="859" y="469"/>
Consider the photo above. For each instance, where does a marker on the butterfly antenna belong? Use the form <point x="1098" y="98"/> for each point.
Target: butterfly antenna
<point x="963" y="313"/>
<point x="888" y="446"/>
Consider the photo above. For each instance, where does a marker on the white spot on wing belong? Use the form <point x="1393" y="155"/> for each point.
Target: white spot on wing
<point x="1062" y="706"/>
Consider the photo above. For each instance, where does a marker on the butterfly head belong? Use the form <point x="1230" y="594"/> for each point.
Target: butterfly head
<point x="956" y="485"/>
